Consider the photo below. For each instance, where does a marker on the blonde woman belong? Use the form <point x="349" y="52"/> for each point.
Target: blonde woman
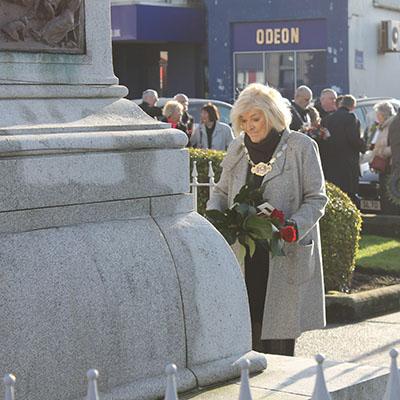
<point x="381" y="148"/>
<point x="286" y="294"/>
<point x="172" y="112"/>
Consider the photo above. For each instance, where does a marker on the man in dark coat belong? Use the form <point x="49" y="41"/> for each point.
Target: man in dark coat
<point x="342" y="159"/>
<point x="148" y="105"/>
<point x="300" y="117"/>
<point x="326" y="104"/>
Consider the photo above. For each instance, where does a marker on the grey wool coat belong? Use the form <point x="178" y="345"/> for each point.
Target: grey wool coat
<point x="221" y="137"/>
<point x="295" y="291"/>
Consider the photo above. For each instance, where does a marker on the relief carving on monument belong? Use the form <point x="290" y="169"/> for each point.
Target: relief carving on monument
<point x="55" y="26"/>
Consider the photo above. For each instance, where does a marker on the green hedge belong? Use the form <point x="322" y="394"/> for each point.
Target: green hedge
<point x="340" y="227"/>
<point x="340" y="236"/>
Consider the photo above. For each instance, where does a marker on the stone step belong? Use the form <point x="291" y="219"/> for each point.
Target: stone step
<point x="292" y="378"/>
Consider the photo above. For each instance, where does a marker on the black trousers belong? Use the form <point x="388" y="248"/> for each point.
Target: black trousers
<point x="256" y="277"/>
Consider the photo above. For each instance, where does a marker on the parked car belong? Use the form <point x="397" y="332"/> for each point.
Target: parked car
<point x="195" y="106"/>
<point x="369" y="180"/>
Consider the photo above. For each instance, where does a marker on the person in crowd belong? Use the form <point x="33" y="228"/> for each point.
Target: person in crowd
<point x="382" y="151"/>
<point x="148" y="104"/>
<point x="327" y="103"/>
<point x="342" y="151"/>
<point x="285" y="293"/>
<point x="299" y="109"/>
<point x="210" y="133"/>
<point x="316" y="130"/>
<point x="186" y="119"/>
<point x="394" y="141"/>
<point x="338" y="101"/>
<point x="172" y="114"/>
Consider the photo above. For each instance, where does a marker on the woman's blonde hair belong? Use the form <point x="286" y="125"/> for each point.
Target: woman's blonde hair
<point x="268" y="100"/>
<point x="170" y="107"/>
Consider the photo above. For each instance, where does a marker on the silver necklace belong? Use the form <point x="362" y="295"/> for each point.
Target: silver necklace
<point x="262" y="168"/>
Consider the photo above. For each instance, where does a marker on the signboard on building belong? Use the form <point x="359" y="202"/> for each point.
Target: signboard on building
<point x="279" y="35"/>
<point x="358" y="59"/>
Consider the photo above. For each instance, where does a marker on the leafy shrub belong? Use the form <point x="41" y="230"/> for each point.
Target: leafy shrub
<point x="340" y="226"/>
<point x="340" y="235"/>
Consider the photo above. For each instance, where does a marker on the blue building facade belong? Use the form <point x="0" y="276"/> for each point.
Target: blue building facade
<point x="284" y="43"/>
<point x="159" y="46"/>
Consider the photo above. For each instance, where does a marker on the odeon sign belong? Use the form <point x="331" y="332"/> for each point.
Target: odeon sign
<point x="278" y="36"/>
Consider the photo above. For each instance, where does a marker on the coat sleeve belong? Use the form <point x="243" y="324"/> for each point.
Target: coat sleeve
<point x="353" y="136"/>
<point x="314" y="196"/>
<point x="228" y="136"/>
<point x="219" y="196"/>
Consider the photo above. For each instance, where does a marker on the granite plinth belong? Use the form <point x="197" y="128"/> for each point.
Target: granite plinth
<point x="105" y="265"/>
<point x="77" y="174"/>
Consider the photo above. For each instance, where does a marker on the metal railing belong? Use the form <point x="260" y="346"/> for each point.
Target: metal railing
<point x="320" y="391"/>
<point x="195" y="184"/>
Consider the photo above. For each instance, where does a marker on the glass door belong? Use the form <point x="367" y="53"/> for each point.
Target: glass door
<point x="249" y="68"/>
<point x="280" y="72"/>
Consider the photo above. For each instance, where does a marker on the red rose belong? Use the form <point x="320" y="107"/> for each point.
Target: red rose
<point x="288" y="234"/>
<point x="279" y="215"/>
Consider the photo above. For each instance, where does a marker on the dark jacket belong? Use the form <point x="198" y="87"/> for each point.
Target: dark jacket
<point x="322" y="113"/>
<point x="394" y="142"/>
<point x="299" y="117"/>
<point x="188" y="120"/>
<point x="154" y="112"/>
<point x="342" y="158"/>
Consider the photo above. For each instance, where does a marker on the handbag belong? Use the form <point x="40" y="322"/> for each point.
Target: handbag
<point x="379" y="164"/>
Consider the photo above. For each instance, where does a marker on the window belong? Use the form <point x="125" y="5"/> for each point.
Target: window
<point x="311" y="69"/>
<point x="279" y="72"/>
<point x="249" y="69"/>
<point x="282" y="70"/>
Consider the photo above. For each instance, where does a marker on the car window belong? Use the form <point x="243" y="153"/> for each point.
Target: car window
<point x="359" y="112"/>
<point x="194" y="111"/>
<point x="370" y="115"/>
<point x="225" y="113"/>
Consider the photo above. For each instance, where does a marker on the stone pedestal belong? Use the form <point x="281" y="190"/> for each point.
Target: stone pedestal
<point x="103" y="262"/>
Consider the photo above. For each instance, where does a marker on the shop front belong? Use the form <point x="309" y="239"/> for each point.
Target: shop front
<point x="159" y="47"/>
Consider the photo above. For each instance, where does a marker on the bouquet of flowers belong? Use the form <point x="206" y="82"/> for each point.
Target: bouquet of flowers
<point x="250" y="220"/>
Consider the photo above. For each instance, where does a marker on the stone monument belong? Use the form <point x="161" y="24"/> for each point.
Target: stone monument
<point x="103" y="262"/>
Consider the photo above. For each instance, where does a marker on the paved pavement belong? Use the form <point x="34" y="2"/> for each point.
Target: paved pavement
<point x="367" y="342"/>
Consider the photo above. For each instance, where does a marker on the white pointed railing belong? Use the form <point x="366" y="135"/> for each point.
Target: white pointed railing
<point x="195" y="184"/>
<point x="320" y="391"/>
<point x="171" y="391"/>
<point x="92" y="393"/>
<point x="245" y="392"/>
<point x="9" y="383"/>
<point x="393" y="385"/>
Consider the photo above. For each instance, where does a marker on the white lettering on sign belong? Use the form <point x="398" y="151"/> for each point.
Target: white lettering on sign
<point x="278" y="36"/>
